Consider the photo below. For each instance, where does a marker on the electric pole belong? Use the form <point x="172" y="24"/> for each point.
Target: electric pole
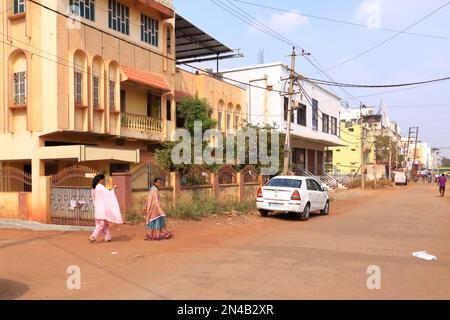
<point x="362" y="147"/>
<point x="287" y="146"/>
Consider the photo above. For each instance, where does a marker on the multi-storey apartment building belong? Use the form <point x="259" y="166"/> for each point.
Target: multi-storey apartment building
<point x="92" y="82"/>
<point x="368" y="124"/>
<point x="314" y="120"/>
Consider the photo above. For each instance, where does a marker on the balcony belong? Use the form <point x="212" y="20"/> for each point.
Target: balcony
<point x="141" y="127"/>
<point x="167" y="3"/>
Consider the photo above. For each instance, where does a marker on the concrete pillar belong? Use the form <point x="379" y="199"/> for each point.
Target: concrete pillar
<point x="123" y="191"/>
<point x="175" y="182"/>
<point x="39" y="209"/>
<point x="241" y="182"/>
<point x="164" y="116"/>
<point x="315" y="161"/>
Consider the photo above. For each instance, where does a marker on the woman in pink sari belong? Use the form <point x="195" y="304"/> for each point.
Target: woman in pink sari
<point x="106" y="208"/>
<point x="156" y="218"/>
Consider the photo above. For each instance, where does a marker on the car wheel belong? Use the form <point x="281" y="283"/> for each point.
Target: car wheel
<point x="264" y="213"/>
<point x="305" y="215"/>
<point x="326" y="209"/>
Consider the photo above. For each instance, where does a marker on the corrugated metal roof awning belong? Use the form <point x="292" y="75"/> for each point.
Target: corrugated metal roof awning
<point x="192" y="42"/>
<point x="144" y="78"/>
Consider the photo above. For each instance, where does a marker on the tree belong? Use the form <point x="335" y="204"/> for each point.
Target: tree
<point x="445" y="162"/>
<point x="385" y="147"/>
<point x="189" y="110"/>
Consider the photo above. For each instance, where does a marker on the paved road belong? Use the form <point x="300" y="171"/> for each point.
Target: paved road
<point x="273" y="258"/>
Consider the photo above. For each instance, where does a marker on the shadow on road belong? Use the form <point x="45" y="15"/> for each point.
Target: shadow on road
<point x="10" y="290"/>
<point x="292" y="216"/>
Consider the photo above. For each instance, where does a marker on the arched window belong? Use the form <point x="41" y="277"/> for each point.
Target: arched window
<point x="80" y="78"/>
<point x="238" y="117"/>
<point x="113" y="85"/>
<point x="220" y="115"/>
<point x="169" y="40"/>
<point x="229" y="117"/>
<point x="19" y="73"/>
<point x="97" y="83"/>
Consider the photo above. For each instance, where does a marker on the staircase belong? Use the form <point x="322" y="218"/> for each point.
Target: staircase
<point x="330" y="181"/>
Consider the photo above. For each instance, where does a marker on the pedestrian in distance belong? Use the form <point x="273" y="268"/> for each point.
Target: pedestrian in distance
<point x="106" y="209"/>
<point x="442" y="182"/>
<point x="156" y="222"/>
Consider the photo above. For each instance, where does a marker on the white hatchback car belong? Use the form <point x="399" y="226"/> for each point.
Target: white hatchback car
<point x="301" y="195"/>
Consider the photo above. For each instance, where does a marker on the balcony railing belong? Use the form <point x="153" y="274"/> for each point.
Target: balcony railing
<point x="141" y="123"/>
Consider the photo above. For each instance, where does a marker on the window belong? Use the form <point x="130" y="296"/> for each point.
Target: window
<point x="20" y="88"/>
<point x="83" y="8"/>
<point x="96" y="93"/>
<point x="78" y="76"/>
<point x="236" y="122"/>
<point x="19" y="6"/>
<point x="285" y="183"/>
<point x="334" y="126"/>
<point x="119" y="17"/>
<point x="169" y="110"/>
<point x="301" y="115"/>
<point x="325" y="123"/>
<point x="228" y="121"/>
<point x="149" y="30"/>
<point x="219" y="121"/>
<point x="351" y="130"/>
<point x="118" y="168"/>
<point x="169" y="40"/>
<point x="286" y="108"/>
<point x="112" y="95"/>
<point x="315" y="114"/>
<point x="123" y="101"/>
<point x="353" y="149"/>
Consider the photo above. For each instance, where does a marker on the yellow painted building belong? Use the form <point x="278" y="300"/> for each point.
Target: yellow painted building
<point x="91" y="82"/>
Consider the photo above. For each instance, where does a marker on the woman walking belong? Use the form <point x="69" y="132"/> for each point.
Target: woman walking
<point x="106" y="208"/>
<point x="156" y="218"/>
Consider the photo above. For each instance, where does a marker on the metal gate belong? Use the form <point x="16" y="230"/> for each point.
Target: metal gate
<point x="71" y="199"/>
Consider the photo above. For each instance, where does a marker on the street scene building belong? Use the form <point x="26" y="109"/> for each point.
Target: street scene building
<point x="315" y="116"/>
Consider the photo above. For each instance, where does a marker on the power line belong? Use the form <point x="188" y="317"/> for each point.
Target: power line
<point x="387" y="40"/>
<point x="351" y="85"/>
<point x="340" y="21"/>
<point x="144" y="48"/>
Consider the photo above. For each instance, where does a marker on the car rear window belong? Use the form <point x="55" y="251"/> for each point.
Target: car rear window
<point x="285" y="183"/>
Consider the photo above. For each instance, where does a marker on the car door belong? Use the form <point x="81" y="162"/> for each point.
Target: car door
<point x="312" y="194"/>
<point x="321" y="198"/>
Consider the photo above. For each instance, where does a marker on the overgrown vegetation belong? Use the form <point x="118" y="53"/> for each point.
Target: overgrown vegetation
<point x="200" y="209"/>
<point x="192" y="109"/>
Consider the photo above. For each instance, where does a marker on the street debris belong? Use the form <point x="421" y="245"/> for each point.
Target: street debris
<point x="424" y="255"/>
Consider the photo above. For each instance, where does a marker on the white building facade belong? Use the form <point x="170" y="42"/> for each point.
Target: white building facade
<point x="315" y="118"/>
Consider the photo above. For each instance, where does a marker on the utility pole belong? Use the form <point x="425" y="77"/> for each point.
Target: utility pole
<point x="287" y="146"/>
<point x="415" y="145"/>
<point x="362" y="147"/>
<point x="407" y="148"/>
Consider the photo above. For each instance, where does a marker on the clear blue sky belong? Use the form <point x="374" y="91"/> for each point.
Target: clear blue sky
<point x="406" y="58"/>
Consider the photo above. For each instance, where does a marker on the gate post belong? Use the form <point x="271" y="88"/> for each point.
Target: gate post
<point x="175" y="182"/>
<point x="241" y="182"/>
<point x="214" y="180"/>
<point x="123" y="191"/>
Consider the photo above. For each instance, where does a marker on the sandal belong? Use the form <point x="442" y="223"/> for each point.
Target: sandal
<point x="92" y="240"/>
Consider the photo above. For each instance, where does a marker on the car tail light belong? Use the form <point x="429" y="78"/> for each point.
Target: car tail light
<point x="296" y="196"/>
<point x="260" y="193"/>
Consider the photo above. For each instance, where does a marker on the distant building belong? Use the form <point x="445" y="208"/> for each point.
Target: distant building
<point x="315" y="120"/>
